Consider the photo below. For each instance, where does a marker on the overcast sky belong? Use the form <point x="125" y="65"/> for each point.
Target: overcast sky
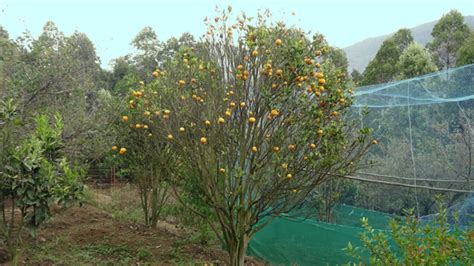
<point x="111" y="25"/>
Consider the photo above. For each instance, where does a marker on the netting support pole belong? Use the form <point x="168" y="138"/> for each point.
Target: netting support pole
<point x="412" y="153"/>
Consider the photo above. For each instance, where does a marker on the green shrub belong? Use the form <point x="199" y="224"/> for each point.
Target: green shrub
<point x="410" y="242"/>
<point x="36" y="176"/>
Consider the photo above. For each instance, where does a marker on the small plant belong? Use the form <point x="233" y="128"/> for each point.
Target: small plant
<point x="36" y="176"/>
<point x="413" y="243"/>
<point x="144" y="254"/>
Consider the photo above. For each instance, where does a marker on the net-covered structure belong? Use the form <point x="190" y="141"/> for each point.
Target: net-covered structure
<point x="424" y="127"/>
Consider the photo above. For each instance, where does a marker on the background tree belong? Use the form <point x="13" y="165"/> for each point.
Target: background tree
<point x="383" y="68"/>
<point x="56" y="73"/>
<point x="465" y="54"/>
<point x="449" y="34"/>
<point x="148" y="48"/>
<point x="415" y="61"/>
<point x="356" y="76"/>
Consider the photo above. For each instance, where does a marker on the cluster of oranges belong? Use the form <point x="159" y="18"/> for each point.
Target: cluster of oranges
<point x="122" y="150"/>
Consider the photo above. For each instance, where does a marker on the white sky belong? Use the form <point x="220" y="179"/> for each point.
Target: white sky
<point x="111" y="25"/>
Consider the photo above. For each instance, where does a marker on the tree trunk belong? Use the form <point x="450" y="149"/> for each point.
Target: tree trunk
<point x="237" y="249"/>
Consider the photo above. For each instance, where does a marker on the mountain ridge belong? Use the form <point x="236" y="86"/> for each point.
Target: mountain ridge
<point x="360" y="53"/>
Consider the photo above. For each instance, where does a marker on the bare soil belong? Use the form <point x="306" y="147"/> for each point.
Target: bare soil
<point x="84" y="228"/>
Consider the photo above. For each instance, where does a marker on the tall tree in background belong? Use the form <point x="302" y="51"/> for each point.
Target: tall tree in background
<point x="58" y="73"/>
<point x="383" y="68"/>
<point x="402" y="39"/>
<point x="356" y="77"/>
<point x="415" y="61"/>
<point x="338" y="57"/>
<point x="148" y="47"/>
<point x="465" y="55"/>
<point x="449" y="34"/>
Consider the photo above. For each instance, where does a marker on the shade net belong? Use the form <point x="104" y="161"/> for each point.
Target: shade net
<point x="425" y="139"/>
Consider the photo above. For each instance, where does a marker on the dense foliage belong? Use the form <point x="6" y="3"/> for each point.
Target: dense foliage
<point x="248" y="122"/>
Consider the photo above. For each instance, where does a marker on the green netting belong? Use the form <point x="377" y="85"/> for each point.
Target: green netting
<point x="301" y="241"/>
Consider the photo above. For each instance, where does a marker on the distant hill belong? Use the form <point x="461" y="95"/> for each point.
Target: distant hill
<point x="360" y="54"/>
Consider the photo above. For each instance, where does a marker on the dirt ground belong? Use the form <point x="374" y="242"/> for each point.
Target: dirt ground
<point x="88" y="235"/>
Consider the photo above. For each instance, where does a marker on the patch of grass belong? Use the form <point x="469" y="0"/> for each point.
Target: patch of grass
<point x="144" y="254"/>
<point x="201" y="233"/>
<point x="59" y="251"/>
<point x="62" y="251"/>
<point x="177" y="254"/>
<point x="122" y="202"/>
<point x="112" y="253"/>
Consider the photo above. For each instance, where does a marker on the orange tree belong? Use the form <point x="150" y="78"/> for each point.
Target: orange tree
<point x="148" y="159"/>
<point x="256" y="121"/>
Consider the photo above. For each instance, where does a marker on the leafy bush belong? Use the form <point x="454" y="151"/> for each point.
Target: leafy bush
<point x="37" y="175"/>
<point x="413" y="243"/>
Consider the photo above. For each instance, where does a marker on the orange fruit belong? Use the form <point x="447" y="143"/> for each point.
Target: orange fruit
<point x="221" y="170"/>
<point x="276" y="149"/>
<point x="252" y="119"/>
<point x="170" y="137"/>
<point x="203" y="140"/>
<point x="255" y="53"/>
<point x="146" y="113"/>
<point x="122" y="151"/>
<point x="312" y="146"/>
<point x="242" y="104"/>
<point x="278" y="42"/>
<point x="155" y="74"/>
<point x="207" y="123"/>
<point x="274" y="112"/>
<point x="125" y="118"/>
<point x="291" y="147"/>
<point x="375" y="142"/>
<point x="221" y="120"/>
<point x="289" y="176"/>
<point x="254" y="149"/>
<point x="114" y="148"/>
<point x="279" y="72"/>
<point x="181" y="129"/>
